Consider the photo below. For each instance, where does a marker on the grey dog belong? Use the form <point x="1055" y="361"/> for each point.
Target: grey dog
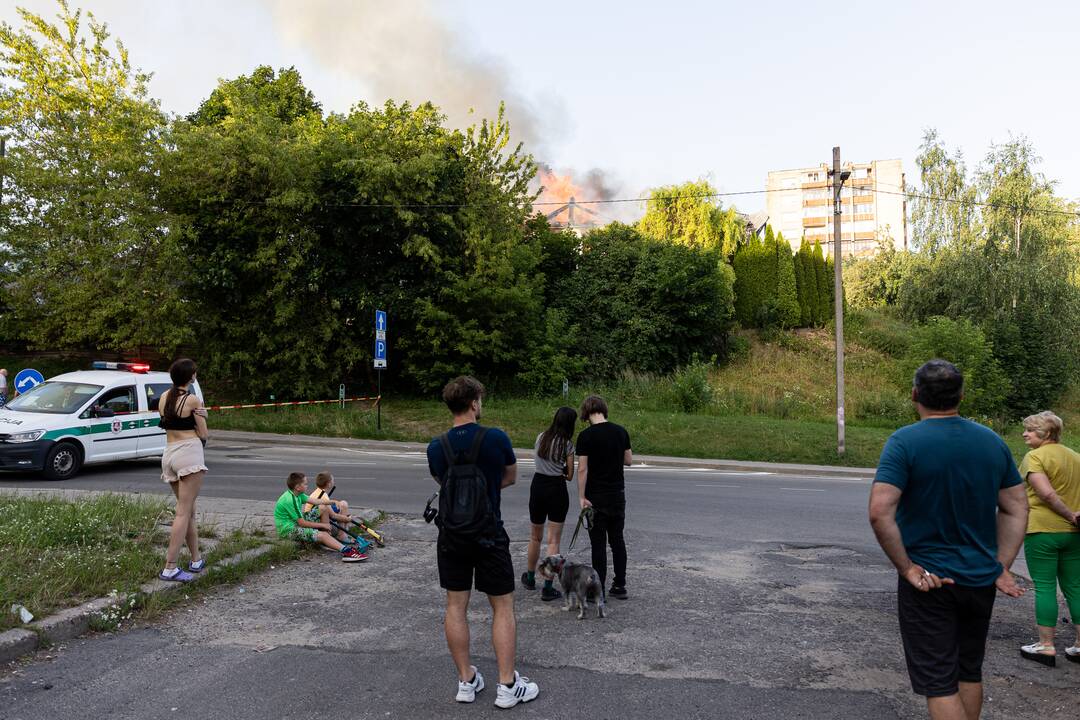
<point x="577" y="580"/>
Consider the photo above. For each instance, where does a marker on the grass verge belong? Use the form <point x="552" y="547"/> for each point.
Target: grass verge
<point x="57" y="553"/>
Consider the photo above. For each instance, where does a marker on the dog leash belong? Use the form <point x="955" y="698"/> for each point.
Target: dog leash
<point x="586" y="519"/>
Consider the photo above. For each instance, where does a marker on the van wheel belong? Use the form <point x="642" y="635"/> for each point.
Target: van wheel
<point x="63" y="461"/>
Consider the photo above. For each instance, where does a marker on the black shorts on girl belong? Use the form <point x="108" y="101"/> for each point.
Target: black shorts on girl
<point x="548" y="499"/>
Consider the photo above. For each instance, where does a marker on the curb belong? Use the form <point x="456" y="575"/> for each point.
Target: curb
<point x="654" y="460"/>
<point x="74" y="622"/>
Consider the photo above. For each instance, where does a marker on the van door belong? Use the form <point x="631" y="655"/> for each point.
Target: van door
<point x="115" y="437"/>
<point x="151" y="437"/>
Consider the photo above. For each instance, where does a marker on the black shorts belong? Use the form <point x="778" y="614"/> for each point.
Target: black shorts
<point x="944" y="634"/>
<point x="548" y="499"/>
<point x="489" y="561"/>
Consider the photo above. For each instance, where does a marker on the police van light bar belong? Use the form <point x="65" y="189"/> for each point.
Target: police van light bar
<point x="129" y="367"/>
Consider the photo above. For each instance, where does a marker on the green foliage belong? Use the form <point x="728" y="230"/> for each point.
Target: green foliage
<point x="1007" y="266"/>
<point x="878" y="329"/>
<point x="825" y="287"/>
<point x="962" y="343"/>
<point x="635" y="303"/>
<point x="690" y="386"/>
<point x="687" y="214"/>
<point x="87" y="257"/>
<point x="766" y="286"/>
<point x="787" y="293"/>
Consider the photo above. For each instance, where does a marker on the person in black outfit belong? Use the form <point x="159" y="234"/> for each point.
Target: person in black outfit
<point x="603" y="450"/>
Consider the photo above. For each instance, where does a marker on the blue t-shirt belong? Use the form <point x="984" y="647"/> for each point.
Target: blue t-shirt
<point x="949" y="471"/>
<point x="496" y="453"/>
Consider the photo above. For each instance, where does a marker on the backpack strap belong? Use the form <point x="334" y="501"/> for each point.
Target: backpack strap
<point x="448" y="451"/>
<point x="474" y="451"/>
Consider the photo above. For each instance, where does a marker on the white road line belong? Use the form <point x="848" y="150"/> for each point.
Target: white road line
<point x="716" y="486"/>
<point x="803" y="489"/>
<point x="637" y="482"/>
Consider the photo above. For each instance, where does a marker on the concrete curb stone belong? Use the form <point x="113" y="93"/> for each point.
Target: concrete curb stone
<point x="74" y="622"/>
<point x="16" y="643"/>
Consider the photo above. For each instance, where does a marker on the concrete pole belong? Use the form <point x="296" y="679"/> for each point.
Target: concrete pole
<point x="838" y="301"/>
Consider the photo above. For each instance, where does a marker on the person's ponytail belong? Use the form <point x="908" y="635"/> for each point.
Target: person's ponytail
<point x="181" y="372"/>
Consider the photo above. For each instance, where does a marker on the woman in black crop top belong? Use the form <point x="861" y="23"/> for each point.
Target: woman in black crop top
<point x="183" y="418"/>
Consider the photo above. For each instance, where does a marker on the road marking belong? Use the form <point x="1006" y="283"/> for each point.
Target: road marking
<point x="637" y="482"/>
<point x="715" y="485"/>
<point x="803" y="489"/>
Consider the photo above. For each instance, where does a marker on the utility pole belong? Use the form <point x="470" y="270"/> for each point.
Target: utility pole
<point x="838" y="179"/>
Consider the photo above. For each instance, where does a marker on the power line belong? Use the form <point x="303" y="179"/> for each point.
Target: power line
<point x="690" y="196"/>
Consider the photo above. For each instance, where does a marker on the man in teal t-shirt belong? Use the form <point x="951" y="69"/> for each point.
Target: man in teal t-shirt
<point x="948" y="508"/>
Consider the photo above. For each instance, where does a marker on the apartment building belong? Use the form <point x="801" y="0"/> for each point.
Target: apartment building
<point x="873" y="205"/>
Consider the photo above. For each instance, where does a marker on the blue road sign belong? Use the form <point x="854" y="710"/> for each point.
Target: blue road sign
<point x="28" y="379"/>
<point x="380" y="353"/>
<point x="380" y="321"/>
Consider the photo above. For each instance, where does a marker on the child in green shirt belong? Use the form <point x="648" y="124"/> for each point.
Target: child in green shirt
<point x="291" y="523"/>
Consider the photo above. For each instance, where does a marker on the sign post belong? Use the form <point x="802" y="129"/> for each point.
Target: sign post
<point x="341" y="395"/>
<point x="380" y="360"/>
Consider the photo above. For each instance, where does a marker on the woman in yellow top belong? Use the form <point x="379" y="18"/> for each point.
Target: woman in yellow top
<point x="1052" y="545"/>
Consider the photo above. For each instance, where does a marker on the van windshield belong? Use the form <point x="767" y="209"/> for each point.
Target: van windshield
<point x="58" y="398"/>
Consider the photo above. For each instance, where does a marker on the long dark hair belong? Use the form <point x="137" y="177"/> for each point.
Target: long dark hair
<point x="556" y="439"/>
<point x="181" y="372"/>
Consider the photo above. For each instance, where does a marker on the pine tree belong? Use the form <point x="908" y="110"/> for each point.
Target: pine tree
<point x="787" y="291"/>
<point x="804" y="271"/>
<point x="824" y="287"/>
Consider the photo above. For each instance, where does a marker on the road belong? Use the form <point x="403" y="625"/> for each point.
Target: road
<point x="753" y="595"/>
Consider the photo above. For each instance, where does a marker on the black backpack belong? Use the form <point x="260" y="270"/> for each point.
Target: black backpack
<point x="464" y="504"/>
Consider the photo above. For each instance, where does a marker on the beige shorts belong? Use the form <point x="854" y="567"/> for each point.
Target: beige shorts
<point x="182" y="459"/>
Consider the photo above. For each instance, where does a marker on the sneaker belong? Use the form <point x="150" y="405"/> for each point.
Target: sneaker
<point x="526" y="583"/>
<point x="549" y="593"/>
<point x="351" y="554"/>
<point x="522" y="691"/>
<point x="466" y="691"/>
<point x="197" y="567"/>
<point x="1072" y="653"/>
<point x="618" y="591"/>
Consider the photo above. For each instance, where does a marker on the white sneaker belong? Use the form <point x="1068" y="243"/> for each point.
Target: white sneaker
<point x="523" y="691"/>
<point x="466" y="691"/>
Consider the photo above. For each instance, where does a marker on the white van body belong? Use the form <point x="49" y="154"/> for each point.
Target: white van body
<point x="84" y="418"/>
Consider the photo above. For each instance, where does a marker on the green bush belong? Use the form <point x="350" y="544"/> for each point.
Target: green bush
<point x="690" y="386"/>
<point x="962" y="343"/>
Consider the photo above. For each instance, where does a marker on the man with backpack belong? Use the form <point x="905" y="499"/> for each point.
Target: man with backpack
<point x="472" y="464"/>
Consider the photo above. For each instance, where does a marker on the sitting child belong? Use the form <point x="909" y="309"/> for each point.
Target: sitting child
<point x="338" y="510"/>
<point x="291" y="521"/>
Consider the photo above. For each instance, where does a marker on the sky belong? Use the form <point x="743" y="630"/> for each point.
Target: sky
<point x="652" y="93"/>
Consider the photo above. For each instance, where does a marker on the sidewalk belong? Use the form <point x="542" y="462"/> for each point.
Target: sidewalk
<point x="657" y="460"/>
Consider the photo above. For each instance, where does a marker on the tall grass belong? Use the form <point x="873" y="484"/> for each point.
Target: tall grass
<point x="58" y="553"/>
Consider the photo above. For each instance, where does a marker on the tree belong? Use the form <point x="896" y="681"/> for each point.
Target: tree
<point x="640" y="304"/>
<point x="806" y="282"/>
<point x="825" y="288"/>
<point x="943" y="211"/>
<point x="92" y="260"/>
<point x="687" y="214"/>
<point x="787" y="292"/>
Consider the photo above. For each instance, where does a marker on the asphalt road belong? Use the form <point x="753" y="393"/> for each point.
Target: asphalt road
<point x="753" y="595"/>
<point x="698" y="500"/>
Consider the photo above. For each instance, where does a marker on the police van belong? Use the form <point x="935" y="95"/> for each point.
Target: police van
<point x="85" y="418"/>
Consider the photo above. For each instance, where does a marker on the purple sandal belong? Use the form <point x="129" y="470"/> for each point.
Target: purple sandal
<point x="180" y="576"/>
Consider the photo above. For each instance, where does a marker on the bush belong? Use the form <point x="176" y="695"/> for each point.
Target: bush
<point x="690" y="386"/>
<point x="962" y="343"/>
